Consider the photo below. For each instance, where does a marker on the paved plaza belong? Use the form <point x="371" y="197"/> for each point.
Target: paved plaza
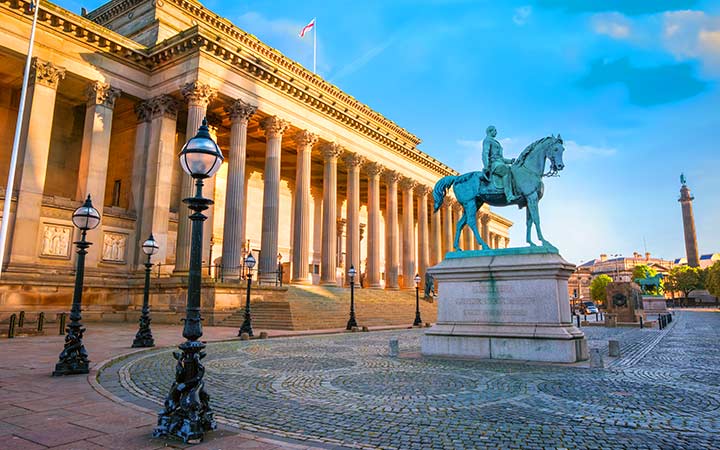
<point x="345" y="391"/>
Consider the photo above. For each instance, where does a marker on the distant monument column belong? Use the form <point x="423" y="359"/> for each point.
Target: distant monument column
<point x="691" y="247"/>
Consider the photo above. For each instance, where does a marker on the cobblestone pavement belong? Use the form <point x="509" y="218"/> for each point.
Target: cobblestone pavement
<point x="344" y="390"/>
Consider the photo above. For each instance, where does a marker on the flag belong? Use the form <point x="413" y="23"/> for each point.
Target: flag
<point x="307" y="28"/>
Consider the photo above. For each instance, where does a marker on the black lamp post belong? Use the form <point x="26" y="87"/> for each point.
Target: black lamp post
<point x="418" y="320"/>
<point x="352" y="322"/>
<point x="74" y="359"/>
<point x="187" y="412"/>
<point x="144" y="337"/>
<point x="246" y="326"/>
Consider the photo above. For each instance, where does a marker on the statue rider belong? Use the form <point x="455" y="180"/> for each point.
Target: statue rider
<point x="495" y="164"/>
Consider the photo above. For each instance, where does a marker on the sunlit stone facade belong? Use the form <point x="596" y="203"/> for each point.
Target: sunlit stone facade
<point x="313" y="179"/>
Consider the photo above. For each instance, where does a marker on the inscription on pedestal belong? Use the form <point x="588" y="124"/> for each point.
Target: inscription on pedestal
<point x="483" y="299"/>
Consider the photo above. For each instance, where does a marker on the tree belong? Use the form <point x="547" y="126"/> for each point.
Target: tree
<point x="683" y="279"/>
<point x="598" y="288"/>
<point x="712" y="280"/>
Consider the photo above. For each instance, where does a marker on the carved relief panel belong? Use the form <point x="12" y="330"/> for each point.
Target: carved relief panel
<point x="114" y="245"/>
<point x="56" y="240"/>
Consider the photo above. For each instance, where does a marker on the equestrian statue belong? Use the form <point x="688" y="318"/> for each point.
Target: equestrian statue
<point x="504" y="182"/>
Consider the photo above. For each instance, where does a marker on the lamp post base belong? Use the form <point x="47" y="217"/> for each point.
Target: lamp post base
<point x="144" y="337"/>
<point x="418" y="320"/>
<point x="187" y="414"/>
<point x="352" y="323"/>
<point x="73" y="359"/>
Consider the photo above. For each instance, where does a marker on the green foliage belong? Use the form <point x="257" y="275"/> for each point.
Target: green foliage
<point x="683" y="279"/>
<point x="643" y="271"/>
<point x="712" y="279"/>
<point x="598" y="288"/>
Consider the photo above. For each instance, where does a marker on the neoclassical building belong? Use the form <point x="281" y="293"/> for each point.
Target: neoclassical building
<point x="313" y="179"/>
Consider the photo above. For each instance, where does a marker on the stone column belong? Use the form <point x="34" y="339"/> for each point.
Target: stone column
<point x="198" y="95"/>
<point x="436" y="237"/>
<point x="448" y="229"/>
<point x="234" y="225"/>
<point x="352" y="235"/>
<point x="408" y="233"/>
<point x="373" y="171"/>
<point x="301" y="235"/>
<point x="392" y="257"/>
<point x="423" y="234"/>
<point x="45" y="77"/>
<point x="484" y="230"/>
<point x="691" y="246"/>
<point x="274" y="128"/>
<point x="329" y="230"/>
<point x="157" y="170"/>
<point x="468" y="238"/>
<point x="143" y="110"/>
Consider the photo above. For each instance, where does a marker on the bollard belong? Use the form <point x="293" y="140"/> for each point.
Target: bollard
<point x="641" y="322"/>
<point x="11" y="328"/>
<point x="585" y="317"/>
<point x="41" y="322"/>
<point x="394" y="347"/>
<point x="21" y="319"/>
<point x="669" y="317"/>
<point x="596" y="361"/>
<point x="614" y="348"/>
<point x="578" y="321"/>
<point x="596" y="317"/>
<point x="62" y="323"/>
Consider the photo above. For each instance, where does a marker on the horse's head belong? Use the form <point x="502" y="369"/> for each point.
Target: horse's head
<point x="554" y="153"/>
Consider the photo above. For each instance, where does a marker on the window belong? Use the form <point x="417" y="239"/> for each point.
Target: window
<point x="116" y="193"/>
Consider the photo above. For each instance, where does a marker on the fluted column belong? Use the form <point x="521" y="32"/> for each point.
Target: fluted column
<point x="392" y="256"/>
<point x="274" y="128"/>
<point x="423" y="234"/>
<point x="373" y="171"/>
<point x="198" y="96"/>
<point x="301" y="234"/>
<point x="45" y="77"/>
<point x="448" y="229"/>
<point x="484" y="230"/>
<point x="457" y="214"/>
<point x="328" y="262"/>
<point x="436" y="237"/>
<point x="408" y="232"/>
<point x="234" y="225"/>
<point x="352" y="235"/>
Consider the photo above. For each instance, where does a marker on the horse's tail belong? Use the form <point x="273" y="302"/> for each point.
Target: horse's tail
<point x="440" y="190"/>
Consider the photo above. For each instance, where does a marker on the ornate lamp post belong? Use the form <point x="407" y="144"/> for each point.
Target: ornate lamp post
<point x="247" y="323"/>
<point x="187" y="412"/>
<point x="418" y="320"/>
<point x="144" y="337"/>
<point x="74" y="359"/>
<point x="352" y="322"/>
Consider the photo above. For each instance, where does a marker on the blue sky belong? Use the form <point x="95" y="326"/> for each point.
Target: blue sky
<point x="633" y="86"/>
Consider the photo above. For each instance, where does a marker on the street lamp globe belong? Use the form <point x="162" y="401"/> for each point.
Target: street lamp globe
<point x="86" y="217"/>
<point x="352" y="272"/>
<point x="150" y="246"/>
<point x="250" y="261"/>
<point x="201" y="157"/>
<point x="417" y="279"/>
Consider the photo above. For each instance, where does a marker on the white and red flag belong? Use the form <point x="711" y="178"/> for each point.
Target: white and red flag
<point x="307" y="28"/>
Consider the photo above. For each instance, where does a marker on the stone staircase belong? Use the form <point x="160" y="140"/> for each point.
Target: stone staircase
<point x="322" y="307"/>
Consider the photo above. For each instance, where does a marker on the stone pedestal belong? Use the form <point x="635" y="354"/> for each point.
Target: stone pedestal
<point x="505" y="304"/>
<point x="654" y="304"/>
<point x="624" y="301"/>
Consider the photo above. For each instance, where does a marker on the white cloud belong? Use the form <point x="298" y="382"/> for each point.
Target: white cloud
<point x="522" y="15"/>
<point x="693" y="35"/>
<point x="575" y="151"/>
<point x="612" y="24"/>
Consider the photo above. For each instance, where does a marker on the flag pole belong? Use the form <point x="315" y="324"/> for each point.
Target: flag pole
<point x="16" y="140"/>
<point x="315" y="46"/>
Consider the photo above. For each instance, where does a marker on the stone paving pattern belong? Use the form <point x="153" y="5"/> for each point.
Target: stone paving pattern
<point x="344" y="390"/>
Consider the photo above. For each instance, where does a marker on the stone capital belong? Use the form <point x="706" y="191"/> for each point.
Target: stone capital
<point x="390" y="176"/>
<point x="240" y="111"/>
<point x="373" y="168"/>
<point x="422" y="190"/>
<point x="274" y="126"/>
<point x="46" y="73"/>
<point x="197" y="93"/>
<point x="305" y="138"/>
<point x="484" y="218"/>
<point x="143" y="110"/>
<point x="102" y="94"/>
<point x="331" y="151"/>
<point x="456" y="206"/>
<point x="164" y="105"/>
<point x="407" y="184"/>
<point x="351" y="159"/>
